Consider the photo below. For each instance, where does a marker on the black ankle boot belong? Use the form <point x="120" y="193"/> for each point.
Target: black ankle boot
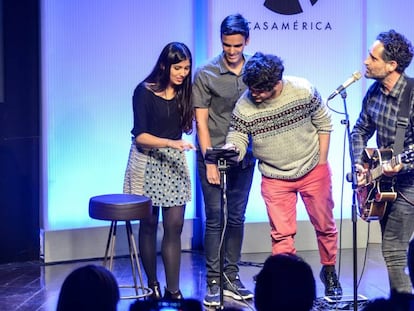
<point x="329" y="278"/>
<point x="173" y="296"/>
<point x="156" y="291"/>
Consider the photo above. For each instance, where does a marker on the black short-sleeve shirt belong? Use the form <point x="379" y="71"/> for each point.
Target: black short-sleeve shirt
<point x="155" y="115"/>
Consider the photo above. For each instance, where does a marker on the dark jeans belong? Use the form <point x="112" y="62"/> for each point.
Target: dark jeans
<point x="397" y="228"/>
<point x="239" y="181"/>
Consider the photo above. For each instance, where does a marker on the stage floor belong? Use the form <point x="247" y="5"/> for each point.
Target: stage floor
<point x="35" y="286"/>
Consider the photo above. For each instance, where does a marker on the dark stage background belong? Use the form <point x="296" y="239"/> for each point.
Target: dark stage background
<point x="19" y="131"/>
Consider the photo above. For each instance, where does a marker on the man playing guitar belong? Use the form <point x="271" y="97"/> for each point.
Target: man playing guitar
<point x="385" y="102"/>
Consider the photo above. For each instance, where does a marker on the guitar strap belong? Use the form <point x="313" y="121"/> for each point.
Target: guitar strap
<point x="403" y="116"/>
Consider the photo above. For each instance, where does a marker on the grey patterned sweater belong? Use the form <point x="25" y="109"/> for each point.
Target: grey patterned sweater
<point x="284" y="130"/>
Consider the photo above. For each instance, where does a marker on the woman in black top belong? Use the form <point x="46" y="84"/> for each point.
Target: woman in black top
<point x="157" y="166"/>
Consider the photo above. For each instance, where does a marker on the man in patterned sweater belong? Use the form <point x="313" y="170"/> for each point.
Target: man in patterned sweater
<point x="290" y="129"/>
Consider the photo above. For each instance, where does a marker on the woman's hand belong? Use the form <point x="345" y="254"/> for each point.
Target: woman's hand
<point x="181" y="145"/>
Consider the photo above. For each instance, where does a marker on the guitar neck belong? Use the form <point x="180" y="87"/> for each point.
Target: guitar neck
<point x="378" y="157"/>
<point x="395" y="160"/>
<point x="377" y="172"/>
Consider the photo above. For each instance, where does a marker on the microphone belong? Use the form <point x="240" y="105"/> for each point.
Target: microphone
<point x="355" y="77"/>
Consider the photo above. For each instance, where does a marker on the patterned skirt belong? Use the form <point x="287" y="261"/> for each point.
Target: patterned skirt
<point x="159" y="173"/>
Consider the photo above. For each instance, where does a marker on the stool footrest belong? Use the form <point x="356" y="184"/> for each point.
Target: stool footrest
<point x="138" y="285"/>
<point x="123" y="207"/>
<point x="145" y="292"/>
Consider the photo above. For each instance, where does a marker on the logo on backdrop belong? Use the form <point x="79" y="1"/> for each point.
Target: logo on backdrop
<point x="289" y="8"/>
<point x="286" y="7"/>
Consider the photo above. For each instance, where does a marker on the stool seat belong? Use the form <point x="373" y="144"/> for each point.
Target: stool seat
<point x="122" y="206"/>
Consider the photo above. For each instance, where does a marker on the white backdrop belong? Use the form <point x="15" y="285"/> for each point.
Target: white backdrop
<point x="316" y="45"/>
<point x="95" y="52"/>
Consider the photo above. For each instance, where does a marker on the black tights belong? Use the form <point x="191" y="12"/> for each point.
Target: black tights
<point x="173" y="221"/>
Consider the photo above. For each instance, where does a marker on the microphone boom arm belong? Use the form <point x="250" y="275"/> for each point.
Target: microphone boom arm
<point x="355" y="77"/>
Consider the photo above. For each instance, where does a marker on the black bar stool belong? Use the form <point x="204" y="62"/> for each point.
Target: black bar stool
<point x="123" y="207"/>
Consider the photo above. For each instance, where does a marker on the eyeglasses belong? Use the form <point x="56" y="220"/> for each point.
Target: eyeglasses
<point x="259" y="91"/>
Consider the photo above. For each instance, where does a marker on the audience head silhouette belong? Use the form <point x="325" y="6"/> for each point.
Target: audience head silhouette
<point x="286" y="282"/>
<point x="397" y="301"/>
<point x="89" y="288"/>
<point x="410" y="260"/>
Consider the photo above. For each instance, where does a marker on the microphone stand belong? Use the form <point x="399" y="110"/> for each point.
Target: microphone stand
<point x="222" y="166"/>
<point x="354" y="209"/>
<point x="224" y="158"/>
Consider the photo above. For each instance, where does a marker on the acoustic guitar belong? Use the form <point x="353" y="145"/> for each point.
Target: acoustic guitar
<point x="378" y="190"/>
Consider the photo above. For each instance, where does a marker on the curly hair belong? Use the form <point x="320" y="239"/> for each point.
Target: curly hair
<point x="263" y="71"/>
<point x="396" y="48"/>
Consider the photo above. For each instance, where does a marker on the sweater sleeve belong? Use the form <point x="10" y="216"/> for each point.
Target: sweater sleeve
<point x="238" y="134"/>
<point x="321" y="117"/>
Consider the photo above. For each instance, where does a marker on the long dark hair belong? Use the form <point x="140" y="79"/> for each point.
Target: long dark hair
<point x="158" y="79"/>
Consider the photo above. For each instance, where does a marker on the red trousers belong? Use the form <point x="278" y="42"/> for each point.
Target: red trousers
<point x="280" y="197"/>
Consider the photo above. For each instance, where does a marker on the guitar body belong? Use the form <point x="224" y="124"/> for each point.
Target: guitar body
<point x="378" y="191"/>
<point x="373" y="199"/>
